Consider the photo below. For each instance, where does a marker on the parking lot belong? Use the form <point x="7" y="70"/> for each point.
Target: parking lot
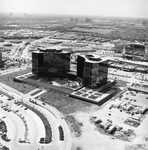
<point x="30" y="124"/>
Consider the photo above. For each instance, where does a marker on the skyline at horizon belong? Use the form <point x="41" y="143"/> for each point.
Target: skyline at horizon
<point x="110" y="8"/>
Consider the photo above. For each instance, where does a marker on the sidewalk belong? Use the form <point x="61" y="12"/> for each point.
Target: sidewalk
<point x="10" y="91"/>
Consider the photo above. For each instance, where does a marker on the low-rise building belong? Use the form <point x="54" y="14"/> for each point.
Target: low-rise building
<point x="111" y="128"/>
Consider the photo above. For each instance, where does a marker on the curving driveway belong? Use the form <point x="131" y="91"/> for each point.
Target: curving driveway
<point x="36" y="129"/>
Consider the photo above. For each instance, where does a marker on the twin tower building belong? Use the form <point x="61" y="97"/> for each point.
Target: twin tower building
<point x="92" y="69"/>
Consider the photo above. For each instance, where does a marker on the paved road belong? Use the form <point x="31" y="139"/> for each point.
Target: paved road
<point x="15" y="69"/>
<point x="130" y="77"/>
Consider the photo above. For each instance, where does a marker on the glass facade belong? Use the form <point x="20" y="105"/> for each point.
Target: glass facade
<point x="92" y="72"/>
<point x="51" y="63"/>
<point x="37" y="62"/>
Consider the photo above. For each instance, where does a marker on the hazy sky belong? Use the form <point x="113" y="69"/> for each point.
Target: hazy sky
<point x="128" y="8"/>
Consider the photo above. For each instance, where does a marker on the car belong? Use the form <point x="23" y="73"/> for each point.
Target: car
<point x="5" y="138"/>
<point x="16" y="111"/>
<point x="120" y="96"/>
<point x="42" y="140"/>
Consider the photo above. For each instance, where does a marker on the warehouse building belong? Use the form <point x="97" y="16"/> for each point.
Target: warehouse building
<point x="135" y="52"/>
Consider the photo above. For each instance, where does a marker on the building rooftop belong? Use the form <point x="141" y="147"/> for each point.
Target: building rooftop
<point x="51" y="50"/>
<point x="93" y="58"/>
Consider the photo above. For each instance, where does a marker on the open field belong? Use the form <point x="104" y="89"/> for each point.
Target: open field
<point x="63" y="103"/>
<point x="94" y="30"/>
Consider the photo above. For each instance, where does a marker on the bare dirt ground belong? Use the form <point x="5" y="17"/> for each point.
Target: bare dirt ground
<point x="94" y="140"/>
<point x="136" y="147"/>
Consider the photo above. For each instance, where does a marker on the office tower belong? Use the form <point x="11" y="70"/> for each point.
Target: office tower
<point x="92" y="69"/>
<point x="51" y="63"/>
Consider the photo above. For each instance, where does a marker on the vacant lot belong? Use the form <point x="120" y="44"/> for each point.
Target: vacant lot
<point x="136" y="147"/>
<point x="63" y="103"/>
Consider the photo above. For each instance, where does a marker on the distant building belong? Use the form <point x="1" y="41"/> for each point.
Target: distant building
<point x="88" y="20"/>
<point x="93" y="70"/>
<point x="2" y="40"/>
<point x="0" y="57"/>
<point x="1" y="62"/>
<point x="71" y="19"/>
<point x="7" y="44"/>
<point x="74" y="19"/>
<point x="135" y="52"/>
<point x="144" y="22"/>
<point x="51" y="62"/>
